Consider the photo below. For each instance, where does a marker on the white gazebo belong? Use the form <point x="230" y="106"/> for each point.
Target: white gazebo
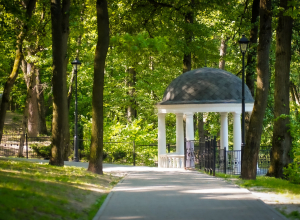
<point x="201" y="90"/>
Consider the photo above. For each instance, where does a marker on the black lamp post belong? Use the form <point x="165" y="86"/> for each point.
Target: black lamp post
<point x="76" y="64"/>
<point x="243" y="46"/>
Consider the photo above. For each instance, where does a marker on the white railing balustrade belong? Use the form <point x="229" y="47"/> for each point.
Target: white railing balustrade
<point x="172" y="160"/>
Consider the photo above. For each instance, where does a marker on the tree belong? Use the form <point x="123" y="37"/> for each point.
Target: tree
<point x="251" y="58"/>
<point x="95" y="163"/>
<point x="60" y="30"/>
<point x="28" y="11"/>
<point x="281" y="142"/>
<point x="251" y="150"/>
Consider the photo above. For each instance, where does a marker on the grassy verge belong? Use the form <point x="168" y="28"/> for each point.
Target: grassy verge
<point x="40" y="191"/>
<point x="269" y="185"/>
<point x="265" y="183"/>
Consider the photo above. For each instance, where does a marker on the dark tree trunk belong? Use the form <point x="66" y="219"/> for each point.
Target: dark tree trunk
<point x="59" y="81"/>
<point x="131" y="109"/>
<point x="250" y="155"/>
<point x="281" y="142"/>
<point x="251" y="58"/>
<point x="252" y="53"/>
<point x="95" y="163"/>
<point x="187" y="57"/>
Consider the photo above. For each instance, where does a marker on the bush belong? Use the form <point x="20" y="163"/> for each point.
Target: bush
<point x="42" y="151"/>
<point x="292" y="173"/>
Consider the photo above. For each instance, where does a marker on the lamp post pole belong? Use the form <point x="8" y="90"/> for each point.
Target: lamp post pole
<point x="76" y="64"/>
<point x="243" y="46"/>
<point x="243" y="105"/>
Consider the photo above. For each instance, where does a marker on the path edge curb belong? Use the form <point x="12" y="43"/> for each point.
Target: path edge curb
<point x="99" y="213"/>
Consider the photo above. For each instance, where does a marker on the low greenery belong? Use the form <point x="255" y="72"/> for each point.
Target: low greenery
<point x="266" y="183"/>
<point x="42" y="151"/>
<point x="42" y="191"/>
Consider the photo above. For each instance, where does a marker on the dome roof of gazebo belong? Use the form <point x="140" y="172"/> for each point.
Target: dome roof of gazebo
<point x="206" y="86"/>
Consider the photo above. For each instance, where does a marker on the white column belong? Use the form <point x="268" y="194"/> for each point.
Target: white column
<point x="224" y="130"/>
<point x="189" y="126"/>
<point x="161" y="137"/>
<point x="179" y="134"/>
<point x="237" y="141"/>
<point x="237" y="133"/>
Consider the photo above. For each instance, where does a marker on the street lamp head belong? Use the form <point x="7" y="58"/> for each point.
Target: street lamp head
<point x="76" y="63"/>
<point x="243" y="44"/>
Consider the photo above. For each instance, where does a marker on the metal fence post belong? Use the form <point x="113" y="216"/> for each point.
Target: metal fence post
<point x="133" y="153"/>
<point x="26" y="145"/>
<point x="169" y="148"/>
<point x="184" y="162"/>
<point x="225" y="154"/>
<point x="214" y="159"/>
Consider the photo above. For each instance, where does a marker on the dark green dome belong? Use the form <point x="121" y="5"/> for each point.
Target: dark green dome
<point x="206" y="85"/>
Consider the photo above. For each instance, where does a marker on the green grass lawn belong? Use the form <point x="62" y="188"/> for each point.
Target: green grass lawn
<point x="265" y="183"/>
<point x="41" y="191"/>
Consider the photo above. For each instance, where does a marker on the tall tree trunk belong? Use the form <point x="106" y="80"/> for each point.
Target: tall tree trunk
<point x="223" y="48"/>
<point x="187" y="57"/>
<point x="59" y="81"/>
<point x="30" y="5"/>
<point x="29" y="72"/>
<point x="252" y="53"/>
<point x="33" y="116"/>
<point x="131" y="109"/>
<point x="95" y="163"/>
<point x="40" y="102"/>
<point x="251" y="58"/>
<point x="201" y="131"/>
<point x="281" y="142"/>
<point x="253" y="138"/>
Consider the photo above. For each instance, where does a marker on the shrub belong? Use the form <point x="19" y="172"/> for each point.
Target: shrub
<point x="292" y="172"/>
<point x="42" y="151"/>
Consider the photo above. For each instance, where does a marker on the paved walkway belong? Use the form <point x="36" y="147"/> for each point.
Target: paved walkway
<point x="182" y="195"/>
<point x="152" y="193"/>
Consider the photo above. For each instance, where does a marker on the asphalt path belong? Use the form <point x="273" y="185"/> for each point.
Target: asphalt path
<point x="176" y="194"/>
<point x="153" y="193"/>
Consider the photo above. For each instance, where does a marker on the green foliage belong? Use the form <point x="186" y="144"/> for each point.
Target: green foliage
<point x="292" y="172"/>
<point x="42" y="151"/>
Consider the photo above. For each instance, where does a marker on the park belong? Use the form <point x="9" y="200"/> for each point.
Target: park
<point x="150" y="109"/>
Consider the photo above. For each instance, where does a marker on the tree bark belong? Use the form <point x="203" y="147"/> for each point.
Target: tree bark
<point x="253" y="138"/>
<point x="59" y="81"/>
<point x="33" y="116"/>
<point x="281" y="142"/>
<point x="131" y="109"/>
<point x="95" y="163"/>
<point x="251" y="58"/>
<point x="223" y="48"/>
<point x="187" y="57"/>
<point x="40" y="102"/>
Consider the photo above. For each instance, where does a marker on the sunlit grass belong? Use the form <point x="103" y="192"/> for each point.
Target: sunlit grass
<point x="41" y="191"/>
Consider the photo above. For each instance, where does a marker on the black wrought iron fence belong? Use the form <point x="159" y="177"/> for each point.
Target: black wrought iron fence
<point x="210" y="158"/>
<point x="113" y="152"/>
